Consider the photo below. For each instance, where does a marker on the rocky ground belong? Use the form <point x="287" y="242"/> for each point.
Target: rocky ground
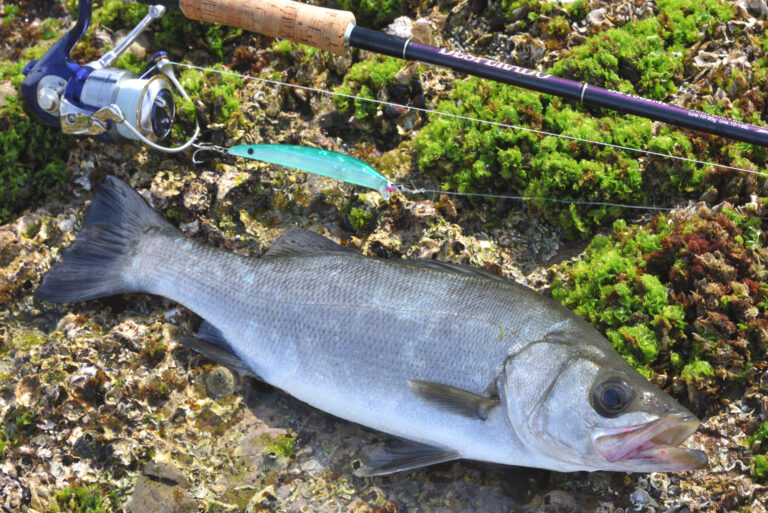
<point x="104" y="409"/>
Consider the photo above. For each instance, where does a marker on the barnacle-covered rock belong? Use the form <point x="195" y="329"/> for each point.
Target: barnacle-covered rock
<point x="14" y="494"/>
<point x="98" y="401"/>
<point x="220" y="382"/>
<point x="161" y="487"/>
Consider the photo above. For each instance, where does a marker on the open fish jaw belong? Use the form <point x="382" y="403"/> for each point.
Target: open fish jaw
<point x="652" y="447"/>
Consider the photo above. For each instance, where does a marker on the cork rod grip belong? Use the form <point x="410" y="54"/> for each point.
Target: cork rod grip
<point x="301" y="23"/>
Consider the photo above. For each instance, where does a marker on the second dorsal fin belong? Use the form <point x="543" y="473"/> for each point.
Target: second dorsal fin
<point x="300" y="242"/>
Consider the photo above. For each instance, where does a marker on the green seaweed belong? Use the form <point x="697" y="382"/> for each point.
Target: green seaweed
<point x="677" y="294"/>
<point x="284" y="445"/>
<point x="697" y="369"/>
<point x="760" y="460"/>
<point x="80" y="499"/>
<point x="374" y="13"/>
<point x="118" y="15"/>
<point x="642" y="56"/>
<point x="32" y="155"/>
<point x="12" y="12"/>
<point x="530" y="6"/>
<point x="760" y="465"/>
<point x="299" y="52"/>
<point x="610" y="289"/>
<point x="363" y="79"/>
<point x="360" y="218"/>
<point x="217" y="91"/>
<point x="32" y="159"/>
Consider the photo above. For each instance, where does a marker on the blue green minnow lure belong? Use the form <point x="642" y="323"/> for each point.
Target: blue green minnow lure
<point x="322" y="162"/>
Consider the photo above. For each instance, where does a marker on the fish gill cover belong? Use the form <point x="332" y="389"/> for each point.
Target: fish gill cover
<point x="103" y="393"/>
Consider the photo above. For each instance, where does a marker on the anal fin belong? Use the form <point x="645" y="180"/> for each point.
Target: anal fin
<point x="210" y="342"/>
<point x="453" y="399"/>
<point x="403" y="455"/>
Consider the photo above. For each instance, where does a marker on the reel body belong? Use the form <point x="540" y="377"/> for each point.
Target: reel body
<point x="98" y="99"/>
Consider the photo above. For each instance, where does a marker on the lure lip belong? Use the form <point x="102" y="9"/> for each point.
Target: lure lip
<point x="653" y="446"/>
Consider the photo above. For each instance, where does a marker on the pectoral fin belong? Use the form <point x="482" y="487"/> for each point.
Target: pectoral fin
<point x="403" y="455"/>
<point x="453" y="399"/>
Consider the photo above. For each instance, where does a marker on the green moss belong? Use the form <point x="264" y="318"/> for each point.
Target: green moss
<point x="283" y="46"/>
<point x="130" y="62"/>
<point x="177" y="34"/>
<point x="299" y="52"/>
<point x="360" y="218"/>
<point x="531" y="6"/>
<point x="578" y="10"/>
<point x="610" y="289"/>
<point x="760" y="465"/>
<point x="118" y="15"/>
<point x="284" y="446"/>
<point x="474" y="157"/>
<point x="697" y="369"/>
<point x="32" y="155"/>
<point x="363" y="79"/>
<point x="12" y="11"/>
<point x="153" y="352"/>
<point x="54" y="377"/>
<point x="25" y="340"/>
<point x="760" y="435"/>
<point x="21" y="417"/>
<point x="79" y="499"/>
<point x="374" y="13"/>
<point x="558" y="26"/>
<point x="218" y="91"/>
<point x="173" y="214"/>
<point x="642" y="57"/>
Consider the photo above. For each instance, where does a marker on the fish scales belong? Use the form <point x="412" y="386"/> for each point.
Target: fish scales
<point x="358" y="341"/>
<point x="397" y="318"/>
<point x="466" y="363"/>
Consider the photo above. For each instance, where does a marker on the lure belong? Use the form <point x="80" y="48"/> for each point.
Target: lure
<point x="313" y="160"/>
<point x="348" y="169"/>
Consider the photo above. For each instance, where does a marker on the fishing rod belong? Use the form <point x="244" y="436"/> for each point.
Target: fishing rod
<point x="113" y="104"/>
<point x="336" y="31"/>
<point x="108" y="103"/>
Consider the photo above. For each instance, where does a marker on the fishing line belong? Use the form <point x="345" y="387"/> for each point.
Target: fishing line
<point x="539" y="198"/>
<point x="351" y="170"/>
<point x="467" y="118"/>
<point x="653" y="208"/>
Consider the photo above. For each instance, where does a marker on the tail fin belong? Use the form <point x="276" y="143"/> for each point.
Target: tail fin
<point x="93" y="266"/>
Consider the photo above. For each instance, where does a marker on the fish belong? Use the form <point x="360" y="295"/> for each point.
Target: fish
<point x="454" y="362"/>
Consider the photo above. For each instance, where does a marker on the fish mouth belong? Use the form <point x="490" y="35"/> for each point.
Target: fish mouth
<point x="652" y="447"/>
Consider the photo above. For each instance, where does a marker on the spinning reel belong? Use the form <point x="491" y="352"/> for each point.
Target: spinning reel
<point x="100" y="100"/>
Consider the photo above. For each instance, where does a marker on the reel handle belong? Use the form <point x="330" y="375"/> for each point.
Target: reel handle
<point x="315" y="26"/>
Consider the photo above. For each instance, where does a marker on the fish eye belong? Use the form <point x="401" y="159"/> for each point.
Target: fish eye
<point x="611" y="396"/>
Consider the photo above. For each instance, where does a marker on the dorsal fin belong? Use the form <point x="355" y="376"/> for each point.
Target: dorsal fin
<point x="300" y="242"/>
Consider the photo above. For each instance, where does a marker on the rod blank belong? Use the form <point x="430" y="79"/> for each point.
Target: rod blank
<point x="377" y="42"/>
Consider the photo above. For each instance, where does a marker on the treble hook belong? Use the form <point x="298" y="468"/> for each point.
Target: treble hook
<point x="207" y="147"/>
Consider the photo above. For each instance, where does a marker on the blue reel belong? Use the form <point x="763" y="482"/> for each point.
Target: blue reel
<point x="98" y="99"/>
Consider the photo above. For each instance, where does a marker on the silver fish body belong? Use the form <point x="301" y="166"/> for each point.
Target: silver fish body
<point x="405" y="347"/>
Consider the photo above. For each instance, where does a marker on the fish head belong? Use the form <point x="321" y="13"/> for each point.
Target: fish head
<point x="578" y="405"/>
